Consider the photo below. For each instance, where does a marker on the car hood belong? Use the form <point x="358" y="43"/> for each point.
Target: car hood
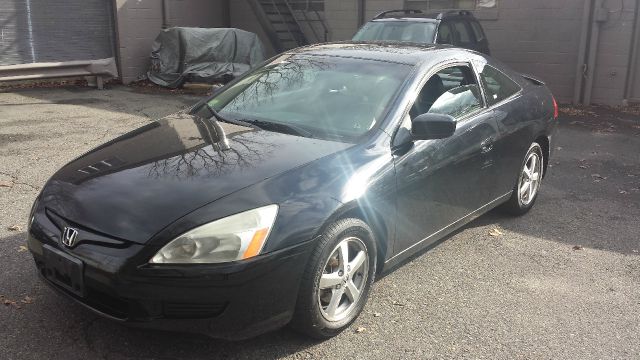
<point x="135" y="185"/>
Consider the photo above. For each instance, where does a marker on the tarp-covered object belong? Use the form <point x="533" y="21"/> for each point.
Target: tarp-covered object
<point x="182" y="54"/>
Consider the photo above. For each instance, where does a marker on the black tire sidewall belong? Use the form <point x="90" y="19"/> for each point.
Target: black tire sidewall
<point x="308" y="317"/>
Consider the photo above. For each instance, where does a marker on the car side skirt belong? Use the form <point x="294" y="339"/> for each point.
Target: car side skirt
<point x="440" y="234"/>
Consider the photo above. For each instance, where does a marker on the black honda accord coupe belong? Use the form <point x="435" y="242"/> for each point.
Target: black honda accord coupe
<point x="282" y="196"/>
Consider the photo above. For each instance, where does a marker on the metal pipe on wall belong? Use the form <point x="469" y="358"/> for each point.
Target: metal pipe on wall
<point x="582" y="51"/>
<point x="600" y="15"/>
<point x="361" y="12"/>
<point x="165" y="14"/>
<point x="633" y="58"/>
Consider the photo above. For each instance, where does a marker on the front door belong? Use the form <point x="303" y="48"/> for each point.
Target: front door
<point x="441" y="181"/>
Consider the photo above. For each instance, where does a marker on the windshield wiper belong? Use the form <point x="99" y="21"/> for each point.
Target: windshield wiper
<point x="279" y="127"/>
<point x="265" y="125"/>
<point x="223" y="119"/>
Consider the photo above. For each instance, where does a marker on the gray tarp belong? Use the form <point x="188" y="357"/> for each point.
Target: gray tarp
<point x="184" y="54"/>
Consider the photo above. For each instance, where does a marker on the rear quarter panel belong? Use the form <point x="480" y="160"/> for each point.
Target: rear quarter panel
<point x="521" y="120"/>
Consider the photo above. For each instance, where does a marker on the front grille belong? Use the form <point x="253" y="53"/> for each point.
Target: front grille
<point x="175" y="310"/>
<point x="85" y="235"/>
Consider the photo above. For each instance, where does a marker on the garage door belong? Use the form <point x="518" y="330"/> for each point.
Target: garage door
<point x="37" y="31"/>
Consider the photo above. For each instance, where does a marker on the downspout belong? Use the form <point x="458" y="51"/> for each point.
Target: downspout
<point x="362" y="10"/>
<point x="600" y="15"/>
<point x="582" y="51"/>
<point x="633" y="58"/>
<point x="165" y="14"/>
<point x="227" y="13"/>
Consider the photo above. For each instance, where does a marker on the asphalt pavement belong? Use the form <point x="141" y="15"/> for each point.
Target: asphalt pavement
<point x="562" y="282"/>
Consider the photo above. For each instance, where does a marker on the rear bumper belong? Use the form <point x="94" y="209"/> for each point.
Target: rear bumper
<point x="230" y="301"/>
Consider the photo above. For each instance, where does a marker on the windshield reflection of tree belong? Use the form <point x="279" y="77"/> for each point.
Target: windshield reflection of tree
<point x="248" y="148"/>
<point x="280" y="79"/>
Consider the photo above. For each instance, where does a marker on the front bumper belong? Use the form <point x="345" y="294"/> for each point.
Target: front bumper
<point x="231" y="301"/>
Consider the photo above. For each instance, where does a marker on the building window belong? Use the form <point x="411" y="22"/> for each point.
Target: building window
<point x="449" y="4"/>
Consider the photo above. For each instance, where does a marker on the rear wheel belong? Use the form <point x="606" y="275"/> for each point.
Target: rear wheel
<point x="526" y="188"/>
<point x="336" y="283"/>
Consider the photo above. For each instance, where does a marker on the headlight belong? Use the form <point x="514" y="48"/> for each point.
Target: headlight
<point x="237" y="237"/>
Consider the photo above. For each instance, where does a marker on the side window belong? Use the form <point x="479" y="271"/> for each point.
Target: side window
<point x="444" y="34"/>
<point x="464" y="37"/>
<point x="451" y="91"/>
<point x="477" y="31"/>
<point x="497" y="85"/>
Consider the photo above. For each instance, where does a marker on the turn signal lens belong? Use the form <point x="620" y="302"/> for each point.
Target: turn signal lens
<point x="555" y="108"/>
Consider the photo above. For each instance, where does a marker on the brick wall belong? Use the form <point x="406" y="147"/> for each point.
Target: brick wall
<point x="375" y="7"/>
<point x="537" y="37"/>
<point x="342" y="18"/>
<point x="613" y="53"/>
<point x="140" y="21"/>
<point x="243" y="17"/>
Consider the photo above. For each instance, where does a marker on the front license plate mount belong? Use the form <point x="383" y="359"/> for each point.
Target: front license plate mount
<point x="64" y="270"/>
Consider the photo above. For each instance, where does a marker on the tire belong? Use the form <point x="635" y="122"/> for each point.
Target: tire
<point x="520" y="203"/>
<point x="324" y="310"/>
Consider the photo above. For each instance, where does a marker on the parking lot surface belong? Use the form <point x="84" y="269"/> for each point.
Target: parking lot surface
<point x="561" y="282"/>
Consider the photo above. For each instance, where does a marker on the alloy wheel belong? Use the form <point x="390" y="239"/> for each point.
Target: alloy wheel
<point x="530" y="178"/>
<point x="343" y="279"/>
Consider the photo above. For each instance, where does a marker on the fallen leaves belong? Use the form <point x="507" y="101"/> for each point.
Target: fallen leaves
<point x="576" y="247"/>
<point x="22" y="248"/>
<point x="16" y="303"/>
<point x="7" y="184"/>
<point x="576" y="111"/>
<point x="397" y="303"/>
<point x="495" y="232"/>
<point x="14" y="228"/>
<point x="377" y="314"/>
<point x="598" y="177"/>
<point x="360" y="330"/>
<point x="583" y="165"/>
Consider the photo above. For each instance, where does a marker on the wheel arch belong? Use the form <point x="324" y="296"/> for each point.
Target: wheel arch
<point x="372" y="217"/>
<point x="543" y="141"/>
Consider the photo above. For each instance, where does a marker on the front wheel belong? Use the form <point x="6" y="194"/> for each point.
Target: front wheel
<point x="336" y="283"/>
<point x="526" y="188"/>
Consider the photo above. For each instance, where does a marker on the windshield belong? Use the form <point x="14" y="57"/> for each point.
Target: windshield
<point x="417" y="32"/>
<point x="317" y="96"/>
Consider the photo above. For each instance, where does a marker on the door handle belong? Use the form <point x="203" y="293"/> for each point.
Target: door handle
<point x="486" y="145"/>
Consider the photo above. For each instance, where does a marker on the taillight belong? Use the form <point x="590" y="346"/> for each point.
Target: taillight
<point x="555" y="108"/>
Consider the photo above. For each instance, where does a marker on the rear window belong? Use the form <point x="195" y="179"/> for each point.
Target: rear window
<point x="463" y="32"/>
<point x="497" y="85"/>
<point x="477" y="31"/>
<point x="444" y="34"/>
<point x="417" y="32"/>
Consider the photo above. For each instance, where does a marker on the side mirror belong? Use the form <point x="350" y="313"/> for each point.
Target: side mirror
<point x="432" y="126"/>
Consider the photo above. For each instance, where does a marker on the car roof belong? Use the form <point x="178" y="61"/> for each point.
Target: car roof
<point x="395" y="52"/>
<point x="406" y="18"/>
<point x="419" y="16"/>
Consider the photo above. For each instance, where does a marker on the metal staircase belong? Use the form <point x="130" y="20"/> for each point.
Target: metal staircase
<point x="291" y="23"/>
